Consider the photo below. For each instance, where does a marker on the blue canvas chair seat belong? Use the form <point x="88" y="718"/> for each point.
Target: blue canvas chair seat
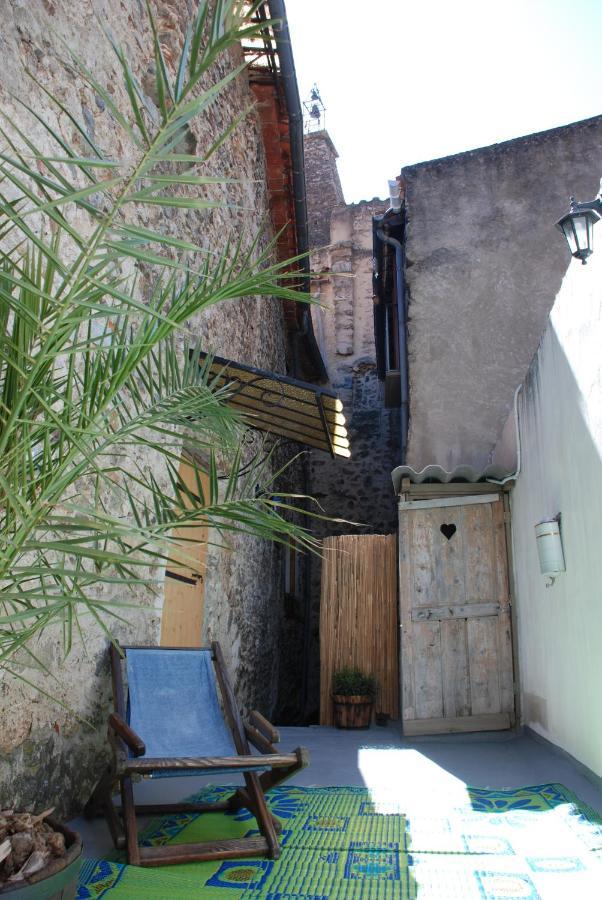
<point x="178" y="716"/>
<point x="173" y="705"/>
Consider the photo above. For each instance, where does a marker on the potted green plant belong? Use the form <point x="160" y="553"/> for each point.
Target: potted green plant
<point x="353" y="695"/>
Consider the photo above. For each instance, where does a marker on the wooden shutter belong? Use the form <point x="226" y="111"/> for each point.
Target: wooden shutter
<point x="183" y="607"/>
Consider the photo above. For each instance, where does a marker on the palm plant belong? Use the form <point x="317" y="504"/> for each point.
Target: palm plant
<point x="93" y="374"/>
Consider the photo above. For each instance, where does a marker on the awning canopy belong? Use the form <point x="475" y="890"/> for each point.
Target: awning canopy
<point x="305" y="413"/>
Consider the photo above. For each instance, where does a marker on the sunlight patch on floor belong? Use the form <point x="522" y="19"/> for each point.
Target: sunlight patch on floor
<point x="405" y="776"/>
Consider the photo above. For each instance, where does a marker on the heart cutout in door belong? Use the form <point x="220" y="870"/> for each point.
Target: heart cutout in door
<point x="448" y="531"/>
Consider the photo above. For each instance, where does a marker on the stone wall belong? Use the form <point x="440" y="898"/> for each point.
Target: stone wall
<point x="324" y="191"/>
<point x="358" y="490"/>
<point x="49" y="754"/>
<point x="484" y="263"/>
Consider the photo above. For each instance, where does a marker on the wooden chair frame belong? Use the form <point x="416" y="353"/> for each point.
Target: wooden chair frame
<point x="124" y="740"/>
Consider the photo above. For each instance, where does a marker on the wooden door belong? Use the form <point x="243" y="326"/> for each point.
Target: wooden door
<point x="183" y="606"/>
<point x="456" y="642"/>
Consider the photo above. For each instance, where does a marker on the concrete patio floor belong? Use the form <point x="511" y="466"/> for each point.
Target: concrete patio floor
<point x="391" y="766"/>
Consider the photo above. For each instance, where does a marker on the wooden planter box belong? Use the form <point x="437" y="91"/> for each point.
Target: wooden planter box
<point x="353" y="711"/>
<point x="58" y="881"/>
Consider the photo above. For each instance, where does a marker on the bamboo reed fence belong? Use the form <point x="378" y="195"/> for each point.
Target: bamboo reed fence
<point x="358" y="616"/>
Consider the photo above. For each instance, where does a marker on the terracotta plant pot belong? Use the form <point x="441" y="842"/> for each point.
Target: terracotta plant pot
<point x="58" y="881"/>
<point x="354" y="711"/>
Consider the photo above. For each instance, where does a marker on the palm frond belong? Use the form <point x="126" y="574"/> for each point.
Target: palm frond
<point x="95" y="377"/>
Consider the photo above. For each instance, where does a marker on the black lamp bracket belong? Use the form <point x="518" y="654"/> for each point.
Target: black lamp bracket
<point x="595" y="205"/>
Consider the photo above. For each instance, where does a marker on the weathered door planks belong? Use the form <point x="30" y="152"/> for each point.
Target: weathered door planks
<point x="454" y="668"/>
<point x="456" y="646"/>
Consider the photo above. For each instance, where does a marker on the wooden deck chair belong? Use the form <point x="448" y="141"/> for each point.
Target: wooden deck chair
<point x="171" y="723"/>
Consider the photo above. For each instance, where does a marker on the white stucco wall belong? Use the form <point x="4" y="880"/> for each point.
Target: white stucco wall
<point x="560" y="628"/>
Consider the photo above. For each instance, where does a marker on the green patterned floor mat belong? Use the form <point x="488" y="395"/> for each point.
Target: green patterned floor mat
<point x="339" y="842"/>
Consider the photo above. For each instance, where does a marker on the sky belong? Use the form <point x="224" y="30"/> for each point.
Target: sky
<point x="404" y="82"/>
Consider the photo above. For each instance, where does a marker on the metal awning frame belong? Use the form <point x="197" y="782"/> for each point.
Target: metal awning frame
<point x="279" y="379"/>
<point x="260" y="401"/>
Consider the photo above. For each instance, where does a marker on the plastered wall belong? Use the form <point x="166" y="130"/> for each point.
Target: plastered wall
<point x="484" y="262"/>
<point x="560" y="627"/>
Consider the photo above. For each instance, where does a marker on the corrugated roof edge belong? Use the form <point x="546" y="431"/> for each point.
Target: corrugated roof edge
<point x="536" y="137"/>
<point x="439" y="475"/>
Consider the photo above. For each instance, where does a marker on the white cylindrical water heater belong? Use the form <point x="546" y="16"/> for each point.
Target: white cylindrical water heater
<point x="395" y="194"/>
<point x="549" y="547"/>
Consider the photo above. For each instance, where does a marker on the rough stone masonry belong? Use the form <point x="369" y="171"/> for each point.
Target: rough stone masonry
<point x="48" y="755"/>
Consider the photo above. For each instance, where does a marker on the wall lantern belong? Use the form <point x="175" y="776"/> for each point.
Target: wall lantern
<point x="578" y="226"/>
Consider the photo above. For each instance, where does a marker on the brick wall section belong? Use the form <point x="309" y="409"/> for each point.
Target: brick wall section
<point x="274" y="125"/>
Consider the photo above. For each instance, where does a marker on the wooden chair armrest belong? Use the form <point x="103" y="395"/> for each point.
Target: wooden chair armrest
<point x="235" y="763"/>
<point x="120" y="727"/>
<point x="256" y="738"/>
<point x="262" y="725"/>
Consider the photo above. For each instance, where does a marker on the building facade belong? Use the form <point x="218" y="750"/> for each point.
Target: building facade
<point x="485" y="274"/>
<point x="54" y="753"/>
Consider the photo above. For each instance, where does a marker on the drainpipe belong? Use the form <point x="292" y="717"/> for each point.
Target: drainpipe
<point x="402" y="330"/>
<point x="295" y="117"/>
